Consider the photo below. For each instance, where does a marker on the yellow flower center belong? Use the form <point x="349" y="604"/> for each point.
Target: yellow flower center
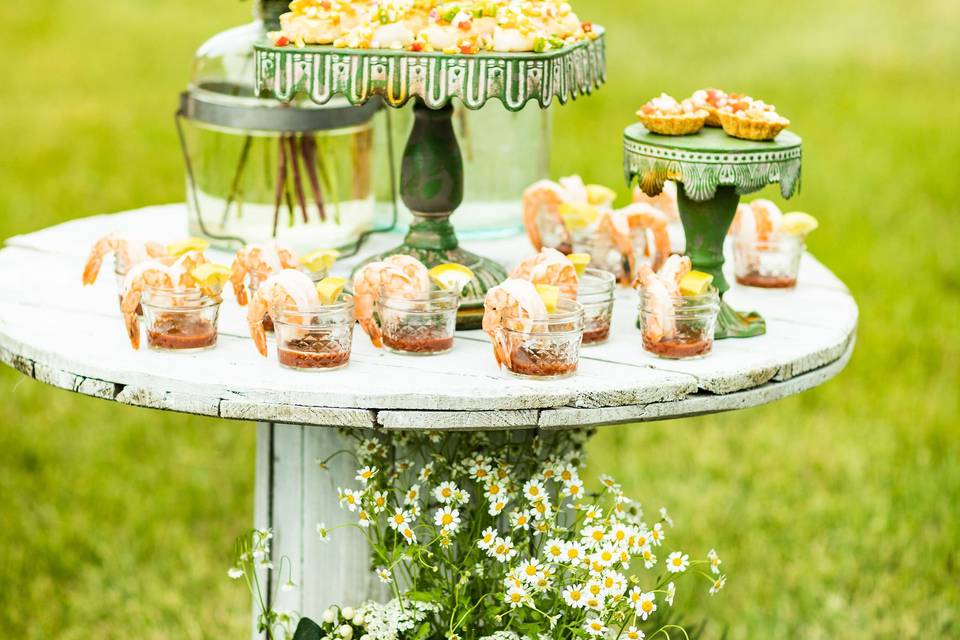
<point x="648" y="605"/>
<point x="447" y="518"/>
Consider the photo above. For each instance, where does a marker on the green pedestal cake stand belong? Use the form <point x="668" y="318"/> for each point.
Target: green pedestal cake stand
<point x="712" y="171"/>
<point x="431" y="180"/>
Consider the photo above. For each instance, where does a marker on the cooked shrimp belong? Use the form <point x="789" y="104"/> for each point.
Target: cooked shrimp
<point x="288" y="289"/>
<point x="620" y="226"/>
<point x="757" y="220"/>
<point x="541" y="216"/>
<point x="666" y="201"/>
<point x="660" y="289"/>
<point x="259" y="262"/>
<point x="549" y="267"/>
<point x="126" y="252"/>
<point x="517" y="300"/>
<point x="399" y="275"/>
<point x="150" y="273"/>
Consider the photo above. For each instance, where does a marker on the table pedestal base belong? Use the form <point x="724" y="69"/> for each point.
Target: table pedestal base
<point x="293" y="494"/>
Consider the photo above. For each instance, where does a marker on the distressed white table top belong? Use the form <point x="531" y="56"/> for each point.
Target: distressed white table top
<point x="72" y="337"/>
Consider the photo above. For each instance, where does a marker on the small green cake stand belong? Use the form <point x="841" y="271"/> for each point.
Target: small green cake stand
<point x="712" y="171"/>
<point x="431" y="177"/>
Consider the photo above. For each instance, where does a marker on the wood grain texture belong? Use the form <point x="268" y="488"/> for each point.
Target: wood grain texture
<point x="810" y="331"/>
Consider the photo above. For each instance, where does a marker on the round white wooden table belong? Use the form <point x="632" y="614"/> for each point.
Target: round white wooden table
<point x="810" y="337"/>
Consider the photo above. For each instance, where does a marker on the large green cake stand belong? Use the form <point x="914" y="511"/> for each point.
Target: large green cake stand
<point x="431" y="178"/>
<point x="712" y="171"/>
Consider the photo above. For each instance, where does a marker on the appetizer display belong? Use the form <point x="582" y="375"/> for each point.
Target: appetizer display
<point x="407" y="308"/>
<point x="453" y="27"/>
<point x="678" y="310"/>
<point x="740" y="115"/>
<point x="768" y="244"/>
<point x="751" y="119"/>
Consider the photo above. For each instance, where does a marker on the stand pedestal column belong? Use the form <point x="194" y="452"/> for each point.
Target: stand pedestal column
<point x="293" y="494"/>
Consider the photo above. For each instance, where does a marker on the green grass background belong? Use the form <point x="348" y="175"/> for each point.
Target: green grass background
<point x="836" y="512"/>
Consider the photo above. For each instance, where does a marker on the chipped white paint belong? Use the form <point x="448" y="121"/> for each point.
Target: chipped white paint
<point x="809" y="329"/>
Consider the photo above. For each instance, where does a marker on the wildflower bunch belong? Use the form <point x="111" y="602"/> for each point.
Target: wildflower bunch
<point x="500" y="536"/>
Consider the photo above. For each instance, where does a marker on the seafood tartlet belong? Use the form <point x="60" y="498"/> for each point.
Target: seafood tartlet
<point x="751" y="119"/>
<point x="712" y="101"/>
<point x="666" y="116"/>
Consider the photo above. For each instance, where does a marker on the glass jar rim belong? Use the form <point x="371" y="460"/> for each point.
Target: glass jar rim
<point x="573" y="311"/>
<point x="786" y="240"/>
<point x="709" y="299"/>
<point x="432" y="296"/>
<point x="197" y="299"/>
<point x="344" y="303"/>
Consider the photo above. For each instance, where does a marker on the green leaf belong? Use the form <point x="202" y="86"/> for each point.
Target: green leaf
<point x="422" y="632"/>
<point x="423" y="596"/>
<point x="307" y="629"/>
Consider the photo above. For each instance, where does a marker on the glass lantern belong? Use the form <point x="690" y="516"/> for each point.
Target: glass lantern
<point x="258" y="169"/>
<point x="503" y="154"/>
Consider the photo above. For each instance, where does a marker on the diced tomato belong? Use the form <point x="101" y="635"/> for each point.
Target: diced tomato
<point x="466" y="47"/>
<point x="282" y="41"/>
<point x="464" y="25"/>
<point x="416" y="46"/>
<point x="587" y="27"/>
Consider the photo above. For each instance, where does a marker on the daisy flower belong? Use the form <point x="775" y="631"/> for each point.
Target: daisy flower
<point x="363" y="519"/>
<point x="553" y="550"/>
<point x="604" y="557"/>
<point x="516" y="597"/>
<point x="592" y="512"/>
<point x="445" y="492"/>
<point x="448" y="519"/>
<point x="400" y="518"/>
<point x="502" y="549"/>
<point x="533" y="490"/>
<point x="520" y="520"/>
<point x="461" y="496"/>
<point x="592" y="535"/>
<point x="665" y="516"/>
<point x="614" y="584"/>
<point x="573" y="553"/>
<point x="718" y="584"/>
<point x="493" y="491"/>
<point x="366" y="474"/>
<point x="541" y="509"/>
<point x="487" y="537"/>
<point x="385" y="575"/>
<point x="573" y="489"/>
<point x="671" y="594"/>
<point x="379" y="501"/>
<point x="715" y="561"/>
<point x="632" y="633"/>
<point x="595" y="627"/>
<point x="348" y="497"/>
<point x="646" y="605"/>
<point x="649" y="559"/>
<point x="480" y="471"/>
<point x="574" y="596"/>
<point x="413" y="494"/>
<point x="677" y="562"/>
<point x="323" y="532"/>
<point x="657" y="535"/>
<point x="496" y="507"/>
<point x="567" y="474"/>
<point x="619" y="534"/>
<point x="425" y="472"/>
<point x="408" y="534"/>
<point x="529" y="570"/>
<point x="609" y="482"/>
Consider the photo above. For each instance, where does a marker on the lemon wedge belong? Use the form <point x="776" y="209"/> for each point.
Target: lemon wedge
<point x="329" y="289"/>
<point x="580" y="261"/>
<point x="598" y="194"/>
<point x="319" y="260"/>
<point x="578" y="216"/>
<point x="550" y="296"/>
<point x="177" y="249"/>
<point x="210" y="275"/>
<point x="798" y="223"/>
<point x="695" y="283"/>
<point x="451" y="276"/>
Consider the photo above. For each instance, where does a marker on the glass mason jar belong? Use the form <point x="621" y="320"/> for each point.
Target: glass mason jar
<point x="422" y="326"/>
<point x="606" y="255"/>
<point x="769" y="264"/>
<point x="595" y="293"/>
<point x="492" y="197"/>
<point x="257" y="169"/>
<point x="679" y="327"/>
<point x="180" y="320"/>
<point x="545" y="349"/>
<point x="317" y="339"/>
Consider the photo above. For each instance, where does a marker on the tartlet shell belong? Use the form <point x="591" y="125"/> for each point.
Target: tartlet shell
<point x="747" y="129"/>
<point x="682" y="125"/>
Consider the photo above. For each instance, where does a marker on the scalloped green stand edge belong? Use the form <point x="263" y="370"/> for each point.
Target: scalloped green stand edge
<point x="431" y="178"/>
<point x="712" y="171"/>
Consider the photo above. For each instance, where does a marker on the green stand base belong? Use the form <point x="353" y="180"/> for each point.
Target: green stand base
<point x="705" y="225"/>
<point x="431" y="185"/>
